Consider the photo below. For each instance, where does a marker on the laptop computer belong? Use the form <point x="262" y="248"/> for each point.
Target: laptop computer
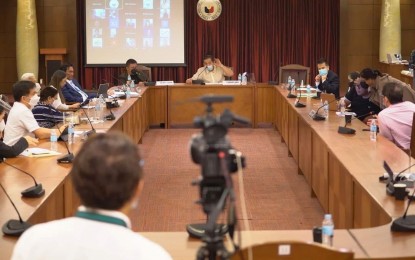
<point x="103" y="89"/>
<point x="330" y="100"/>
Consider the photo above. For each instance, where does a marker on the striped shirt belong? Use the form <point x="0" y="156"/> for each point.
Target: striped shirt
<point x="47" y="116"/>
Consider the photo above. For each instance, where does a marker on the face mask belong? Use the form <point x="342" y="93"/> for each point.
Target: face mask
<point x="323" y="72"/>
<point x="210" y="67"/>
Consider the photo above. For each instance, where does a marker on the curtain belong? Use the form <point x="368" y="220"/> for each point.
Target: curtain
<point x="253" y="36"/>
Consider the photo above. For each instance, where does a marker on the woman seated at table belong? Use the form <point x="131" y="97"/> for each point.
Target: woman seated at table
<point x="45" y="114"/>
<point x="58" y="80"/>
<point x="16" y="149"/>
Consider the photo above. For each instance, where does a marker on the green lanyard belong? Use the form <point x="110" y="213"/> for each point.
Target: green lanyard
<point x="101" y="218"/>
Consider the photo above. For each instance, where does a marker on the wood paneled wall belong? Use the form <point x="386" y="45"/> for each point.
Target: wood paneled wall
<point x="56" y="29"/>
<point x="359" y="32"/>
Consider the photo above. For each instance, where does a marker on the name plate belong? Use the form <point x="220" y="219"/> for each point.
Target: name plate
<point x="165" y="83"/>
<point x="231" y="82"/>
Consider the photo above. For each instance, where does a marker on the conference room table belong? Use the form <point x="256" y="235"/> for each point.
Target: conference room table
<point x="342" y="170"/>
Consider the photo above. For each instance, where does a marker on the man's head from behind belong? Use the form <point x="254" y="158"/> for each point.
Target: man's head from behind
<point x="107" y="172"/>
<point x="392" y="94"/>
<point x="23" y="91"/>
<point x="68" y="68"/>
<point x="323" y="66"/>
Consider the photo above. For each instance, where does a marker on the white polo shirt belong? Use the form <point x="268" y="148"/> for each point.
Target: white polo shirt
<point x="78" y="238"/>
<point x="20" y="122"/>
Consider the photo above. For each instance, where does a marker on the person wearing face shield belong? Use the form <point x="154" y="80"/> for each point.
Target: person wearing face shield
<point x="358" y="98"/>
<point x="213" y="71"/>
<point x="326" y="80"/>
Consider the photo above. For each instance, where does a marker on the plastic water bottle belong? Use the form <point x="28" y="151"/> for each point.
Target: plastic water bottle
<point x="244" y="79"/>
<point x="240" y="77"/>
<point x="326" y="109"/>
<point x="373" y="130"/>
<point x="53" y="140"/>
<point x="289" y="80"/>
<point x="293" y="85"/>
<point x="132" y="85"/>
<point x="128" y="92"/>
<point x="98" y="109"/>
<point x="71" y="133"/>
<point x="308" y="91"/>
<point x="327" y="230"/>
<point x="342" y="106"/>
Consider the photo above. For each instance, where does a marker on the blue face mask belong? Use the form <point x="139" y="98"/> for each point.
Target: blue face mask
<point x="323" y="72"/>
<point x="210" y="67"/>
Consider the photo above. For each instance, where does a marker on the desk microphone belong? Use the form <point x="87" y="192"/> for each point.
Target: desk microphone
<point x="92" y="131"/>
<point x="64" y="137"/>
<point x="390" y="189"/>
<point x="315" y="116"/>
<point x="14" y="227"/>
<point x="297" y="101"/>
<point x="197" y="80"/>
<point x="351" y="131"/>
<point x="32" y="192"/>
<point x="405" y="223"/>
<point x="290" y="95"/>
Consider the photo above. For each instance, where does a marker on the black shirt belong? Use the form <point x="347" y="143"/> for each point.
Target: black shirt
<point x="360" y="105"/>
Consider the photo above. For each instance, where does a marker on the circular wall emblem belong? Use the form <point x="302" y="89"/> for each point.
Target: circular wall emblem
<point x="209" y="10"/>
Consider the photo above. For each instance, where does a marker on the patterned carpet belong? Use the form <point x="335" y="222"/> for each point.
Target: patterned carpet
<point x="276" y="196"/>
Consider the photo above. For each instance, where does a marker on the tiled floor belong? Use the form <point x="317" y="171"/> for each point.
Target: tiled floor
<point x="276" y="196"/>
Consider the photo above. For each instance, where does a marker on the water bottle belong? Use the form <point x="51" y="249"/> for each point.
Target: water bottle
<point x="128" y="92"/>
<point x="53" y="140"/>
<point x="327" y="230"/>
<point x="302" y="84"/>
<point x="373" y="130"/>
<point x="342" y="107"/>
<point x="293" y="85"/>
<point x="132" y="85"/>
<point x="71" y="133"/>
<point x="240" y="77"/>
<point x="308" y="91"/>
<point x="98" y="110"/>
<point x="244" y="79"/>
<point x="326" y="109"/>
<point x="289" y="80"/>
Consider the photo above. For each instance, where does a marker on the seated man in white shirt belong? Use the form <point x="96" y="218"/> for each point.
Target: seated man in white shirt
<point x="21" y="121"/>
<point x="213" y="71"/>
<point x="107" y="175"/>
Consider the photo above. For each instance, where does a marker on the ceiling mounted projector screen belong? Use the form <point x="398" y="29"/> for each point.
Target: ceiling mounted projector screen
<point x="150" y="31"/>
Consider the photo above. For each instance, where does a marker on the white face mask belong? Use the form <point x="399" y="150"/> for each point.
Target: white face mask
<point x="210" y="67"/>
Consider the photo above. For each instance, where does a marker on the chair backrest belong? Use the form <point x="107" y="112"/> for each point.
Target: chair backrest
<point x="145" y="70"/>
<point x="412" y="146"/>
<point x="296" y="71"/>
<point x="293" y="250"/>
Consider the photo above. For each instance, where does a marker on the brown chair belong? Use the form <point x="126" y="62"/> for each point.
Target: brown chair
<point x="145" y="70"/>
<point x="296" y="71"/>
<point x="292" y="250"/>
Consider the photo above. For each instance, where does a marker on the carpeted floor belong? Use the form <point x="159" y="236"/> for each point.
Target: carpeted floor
<point x="276" y="196"/>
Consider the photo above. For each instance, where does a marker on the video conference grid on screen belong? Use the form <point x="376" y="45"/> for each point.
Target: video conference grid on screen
<point x="151" y="30"/>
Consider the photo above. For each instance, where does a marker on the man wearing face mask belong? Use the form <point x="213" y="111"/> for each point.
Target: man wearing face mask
<point x="358" y="98"/>
<point x="213" y="71"/>
<point x="326" y="80"/>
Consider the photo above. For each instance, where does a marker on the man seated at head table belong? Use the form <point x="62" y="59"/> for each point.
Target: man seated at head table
<point x="31" y="77"/>
<point x="108" y="177"/>
<point x="21" y="121"/>
<point x="131" y="73"/>
<point x="72" y="90"/>
<point x="395" y="121"/>
<point x="326" y="80"/>
<point x="7" y="151"/>
<point x="213" y="71"/>
<point x="358" y="98"/>
<point x="46" y="115"/>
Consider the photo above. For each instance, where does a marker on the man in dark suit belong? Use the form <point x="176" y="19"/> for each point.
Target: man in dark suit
<point x="326" y="80"/>
<point x="72" y="91"/>
<point x="131" y="73"/>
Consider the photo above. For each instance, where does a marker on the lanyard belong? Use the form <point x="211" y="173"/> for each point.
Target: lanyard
<point x="101" y="218"/>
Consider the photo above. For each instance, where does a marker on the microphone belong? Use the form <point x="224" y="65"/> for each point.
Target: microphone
<point x="92" y="131"/>
<point x="297" y="101"/>
<point x="405" y="223"/>
<point x="32" y="192"/>
<point x="315" y="116"/>
<point x="390" y="189"/>
<point x="110" y="117"/>
<point x="351" y="131"/>
<point x="14" y="227"/>
<point x="64" y="137"/>
<point x="197" y="80"/>
<point x="290" y="95"/>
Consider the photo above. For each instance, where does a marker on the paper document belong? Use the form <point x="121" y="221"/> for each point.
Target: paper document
<point x="38" y="152"/>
